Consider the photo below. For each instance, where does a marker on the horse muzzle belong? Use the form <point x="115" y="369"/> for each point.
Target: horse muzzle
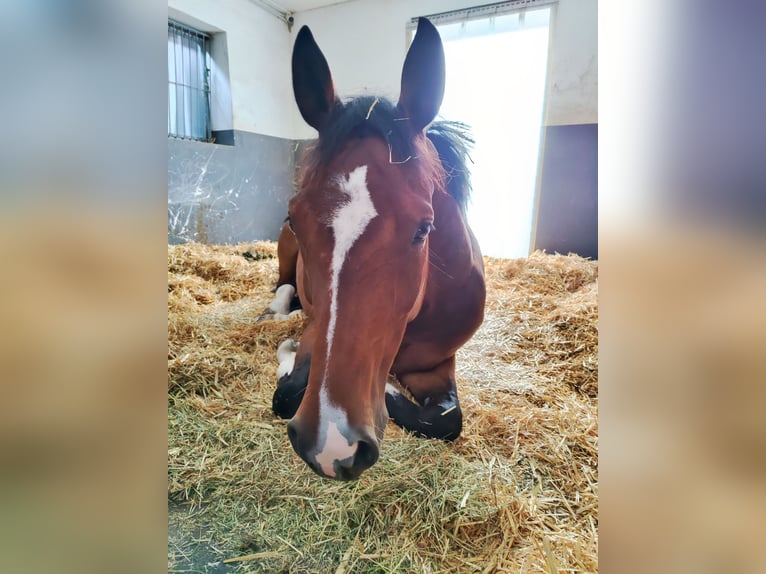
<point x="337" y="451"/>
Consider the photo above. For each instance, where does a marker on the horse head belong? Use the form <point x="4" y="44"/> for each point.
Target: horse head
<point x="362" y="218"/>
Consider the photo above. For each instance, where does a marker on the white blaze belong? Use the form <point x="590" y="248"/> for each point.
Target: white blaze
<point x="335" y="446"/>
<point x="348" y="223"/>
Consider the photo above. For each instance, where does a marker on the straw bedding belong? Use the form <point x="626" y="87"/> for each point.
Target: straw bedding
<point x="517" y="492"/>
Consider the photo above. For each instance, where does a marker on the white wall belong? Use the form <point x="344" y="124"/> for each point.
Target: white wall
<point x="365" y="43"/>
<point x="573" y="69"/>
<point x="259" y="47"/>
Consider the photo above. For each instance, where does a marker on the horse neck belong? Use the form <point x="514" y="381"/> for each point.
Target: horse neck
<point x="453" y="248"/>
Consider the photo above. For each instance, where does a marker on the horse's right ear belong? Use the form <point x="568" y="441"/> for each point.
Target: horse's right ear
<point x="312" y="82"/>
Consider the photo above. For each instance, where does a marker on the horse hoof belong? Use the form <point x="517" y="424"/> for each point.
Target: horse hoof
<point x="266" y="315"/>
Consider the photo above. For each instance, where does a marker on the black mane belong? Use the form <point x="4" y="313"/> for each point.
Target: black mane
<point x="370" y="116"/>
<point x="453" y="142"/>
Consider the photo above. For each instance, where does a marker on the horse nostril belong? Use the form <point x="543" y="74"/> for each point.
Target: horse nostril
<point x="366" y="455"/>
<point x="292" y="434"/>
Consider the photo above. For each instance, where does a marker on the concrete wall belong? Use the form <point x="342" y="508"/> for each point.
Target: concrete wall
<point x="237" y="192"/>
<point x="568" y="202"/>
<point x="229" y="194"/>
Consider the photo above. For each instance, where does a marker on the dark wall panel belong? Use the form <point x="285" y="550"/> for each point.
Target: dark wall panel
<point x="567" y="218"/>
<point x="229" y="193"/>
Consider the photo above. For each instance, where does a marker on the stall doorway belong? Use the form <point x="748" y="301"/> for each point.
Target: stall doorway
<point x="496" y="71"/>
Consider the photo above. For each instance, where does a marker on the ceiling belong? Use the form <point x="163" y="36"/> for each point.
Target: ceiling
<point x="303" y="5"/>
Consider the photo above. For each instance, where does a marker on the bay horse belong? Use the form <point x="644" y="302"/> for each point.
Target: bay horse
<point x="386" y="269"/>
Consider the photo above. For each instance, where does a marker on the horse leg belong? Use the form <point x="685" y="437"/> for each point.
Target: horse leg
<point x="285" y="301"/>
<point x="287" y="253"/>
<point x="293" y="373"/>
<point x="437" y="412"/>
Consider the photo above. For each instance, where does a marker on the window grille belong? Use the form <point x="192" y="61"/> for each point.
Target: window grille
<point x="485" y="11"/>
<point x="188" y="83"/>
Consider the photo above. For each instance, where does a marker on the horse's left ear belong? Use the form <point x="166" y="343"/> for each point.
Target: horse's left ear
<point x="423" y="76"/>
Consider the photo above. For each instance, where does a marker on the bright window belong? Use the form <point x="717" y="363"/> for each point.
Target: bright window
<point x="188" y="83"/>
<point x="496" y="77"/>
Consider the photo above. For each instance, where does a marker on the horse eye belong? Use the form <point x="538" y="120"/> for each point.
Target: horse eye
<point x="420" y="235"/>
<point x="289" y="222"/>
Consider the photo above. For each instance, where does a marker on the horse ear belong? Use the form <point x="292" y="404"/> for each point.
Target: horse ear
<point x="312" y="82"/>
<point x="423" y="76"/>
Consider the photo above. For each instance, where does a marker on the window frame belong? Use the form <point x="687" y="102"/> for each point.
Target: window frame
<point x="186" y="120"/>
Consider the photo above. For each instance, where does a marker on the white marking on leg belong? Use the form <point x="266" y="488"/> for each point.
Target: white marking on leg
<point x="281" y="303"/>
<point x="392" y="390"/>
<point x="282" y="317"/>
<point x="286" y="357"/>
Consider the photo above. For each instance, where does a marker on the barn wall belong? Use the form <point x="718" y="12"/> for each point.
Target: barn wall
<point x="237" y="191"/>
<point x="567" y="214"/>
<point x="229" y="193"/>
<point x="365" y="42"/>
<point x="259" y="47"/>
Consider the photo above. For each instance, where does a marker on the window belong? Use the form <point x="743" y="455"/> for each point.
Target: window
<point x="188" y="83"/>
<point x="503" y="104"/>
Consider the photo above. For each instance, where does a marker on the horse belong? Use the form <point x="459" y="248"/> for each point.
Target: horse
<point x="385" y="266"/>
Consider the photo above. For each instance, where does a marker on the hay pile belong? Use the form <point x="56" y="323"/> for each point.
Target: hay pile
<point x="517" y="492"/>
